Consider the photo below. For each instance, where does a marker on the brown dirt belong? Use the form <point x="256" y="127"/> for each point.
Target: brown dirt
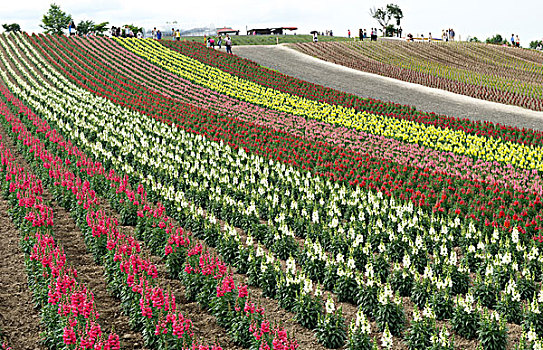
<point x="70" y="238"/>
<point x="19" y="321"/>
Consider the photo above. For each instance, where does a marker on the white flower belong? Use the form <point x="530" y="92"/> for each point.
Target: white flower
<point x="249" y="240"/>
<point x="428" y="312"/>
<point x="416" y="315"/>
<point x="386" y="339"/>
<point x="351" y="263"/>
<point x="362" y="323"/>
<point x="308" y="286"/>
<point x="494" y="316"/>
<point x="514" y="235"/>
<point x="291" y="265"/>
<point x="318" y="291"/>
<point x="385" y="295"/>
<point x="406" y="261"/>
<point x="531" y="335"/>
<point x="259" y="251"/>
<point x="330" y="307"/>
<point x="315" y="217"/>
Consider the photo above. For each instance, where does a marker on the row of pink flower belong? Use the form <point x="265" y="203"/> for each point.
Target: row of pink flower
<point x="449" y="163"/>
<point x="73" y="301"/>
<point x="125" y="247"/>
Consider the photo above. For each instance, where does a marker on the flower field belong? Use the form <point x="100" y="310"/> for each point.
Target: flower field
<point x="487" y="72"/>
<point x="293" y="215"/>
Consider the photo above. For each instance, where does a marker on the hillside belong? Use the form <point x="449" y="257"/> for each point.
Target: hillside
<point x="489" y="72"/>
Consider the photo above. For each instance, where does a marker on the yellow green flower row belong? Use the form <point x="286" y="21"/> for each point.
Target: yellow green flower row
<point x="456" y="141"/>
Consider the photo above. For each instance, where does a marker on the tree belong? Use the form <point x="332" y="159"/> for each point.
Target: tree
<point x="381" y="16"/>
<point x="474" y="40"/>
<point x="384" y="15"/>
<point x="396" y="12"/>
<point x="55" y="20"/>
<point x="496" y="39"/>
<point x="85" y="27"/>
<point x="535" y="44"/>
<point x="100" y="28"/>
<point x="13" y="27"/>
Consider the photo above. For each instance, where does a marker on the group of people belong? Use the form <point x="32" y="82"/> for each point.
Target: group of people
<point x="373" y="34"/>
<point x="515" y="41"/>
<point x="447" y="34"/>
<point x="211" y="42"/>
<point x="125" y="32"/>
<point x="156" y="34"/>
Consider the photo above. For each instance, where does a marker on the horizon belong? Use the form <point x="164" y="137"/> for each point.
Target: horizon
<point x="468" y="19"/>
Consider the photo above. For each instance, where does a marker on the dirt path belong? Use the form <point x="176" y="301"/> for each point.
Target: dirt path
<point x="19" y="321"/>
<point x="92" y="275"/>
<point x="296" y="64"/>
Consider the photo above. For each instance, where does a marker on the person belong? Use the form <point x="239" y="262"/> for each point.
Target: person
<point x="219" y="41"/>
<point x="452" y="34"/>
<point x="315" y="38"/>
<point x="140" y="35"/>
<point x="409" y="37"/>
<point x="173" y="34"/>
<point x="113" y="31"/>
<point x="365" y="34"/>
<point x="348" y="33"/>
<point x="212" y="42"/>
<point x="178" y="35"/>
<point x="154" y="33"/>
<point x="158" y="35"/>
<point x="430" y="37"/>
<point x="71" y="28"/>
<point x="361" y="34"/>
<point x="400" y="30"/>
<point x="513" y="40"/>
<point x="228" y="43"/>
<point x="517" y="41"/>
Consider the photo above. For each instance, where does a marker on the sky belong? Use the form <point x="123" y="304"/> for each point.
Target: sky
<point x="469" y="18"/>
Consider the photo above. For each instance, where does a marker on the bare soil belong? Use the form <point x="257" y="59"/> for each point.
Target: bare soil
<point x="92" y="275"/>
<point x="19" y="320"/>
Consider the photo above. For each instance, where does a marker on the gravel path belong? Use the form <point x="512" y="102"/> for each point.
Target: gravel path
<point x="296" y="64"/>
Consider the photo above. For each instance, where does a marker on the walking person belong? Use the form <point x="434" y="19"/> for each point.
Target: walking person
<point x="158" y="35"/>
<point x="173" y="34"/>
<point x="154" y="33"/>
<point x="348" y="33"/>
<point x="315" y="38"/>
<point x="228" y="43"/>
<point x="178" y="35"/>
<point x="219" y="41"/>
<point x="513" y="40"/>
<point x="517" y="41"/>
